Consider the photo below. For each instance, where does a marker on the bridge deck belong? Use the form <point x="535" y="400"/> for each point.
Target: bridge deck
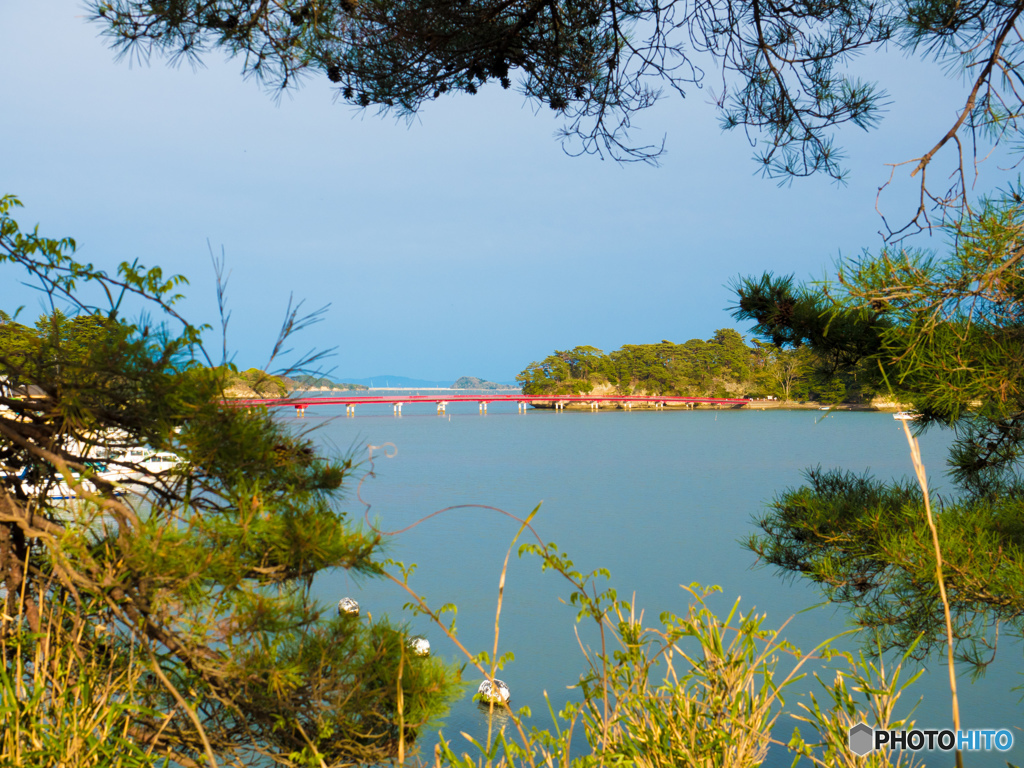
<point x="304" y="402"/>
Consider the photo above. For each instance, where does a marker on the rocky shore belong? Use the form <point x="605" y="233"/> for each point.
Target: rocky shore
<point x="878" y="404"/>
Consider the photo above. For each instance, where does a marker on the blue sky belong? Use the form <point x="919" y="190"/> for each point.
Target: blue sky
<point x="463" y="243"/>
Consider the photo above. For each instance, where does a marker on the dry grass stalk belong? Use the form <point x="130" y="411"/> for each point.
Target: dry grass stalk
<point x="922" y="479"/>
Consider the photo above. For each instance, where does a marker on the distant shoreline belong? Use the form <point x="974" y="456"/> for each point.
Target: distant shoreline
<point x="751" y="405"/>
<point x="812" y="406"/>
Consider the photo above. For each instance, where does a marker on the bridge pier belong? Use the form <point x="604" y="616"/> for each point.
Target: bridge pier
<point x="398" y="409"/>
<point x="441" y="405"/>
<point x="300" y="411"/>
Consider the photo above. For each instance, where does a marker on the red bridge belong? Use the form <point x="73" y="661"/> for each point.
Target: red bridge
<point x="442" y="400"/>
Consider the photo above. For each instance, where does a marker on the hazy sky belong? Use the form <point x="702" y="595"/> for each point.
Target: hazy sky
<point x="464" y="243"/>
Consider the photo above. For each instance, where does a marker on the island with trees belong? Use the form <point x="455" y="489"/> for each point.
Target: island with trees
<point x="472" y="382"/>
<point x="256" y="383"/>
<point x="304" y="382"/>
<point x="724" y="366"/>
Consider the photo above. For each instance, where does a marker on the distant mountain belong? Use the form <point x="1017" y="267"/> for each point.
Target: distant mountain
<point x="472" y="382"/>
<point x="399" y="382"/>
<point x="406" y="382"/>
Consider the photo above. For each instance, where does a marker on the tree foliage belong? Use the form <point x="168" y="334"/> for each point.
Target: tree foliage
<point x="185" y="593"/>
<point x="719" y="366"/>
<point x="945" y="330"/>
<point x="783" y="73"/>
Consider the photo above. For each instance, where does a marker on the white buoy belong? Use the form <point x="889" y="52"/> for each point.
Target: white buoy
<point x="348" y="606"/>
<point x="497" y="692"/>
<point x="419" y="645"/>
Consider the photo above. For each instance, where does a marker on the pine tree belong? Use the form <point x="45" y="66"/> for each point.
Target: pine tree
<point x="945" y="334"/>
<point x="785" y="73"/>
<point x="179" y="600"/>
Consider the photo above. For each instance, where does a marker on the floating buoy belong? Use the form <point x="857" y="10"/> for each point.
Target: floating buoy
<point x="348" y="606"/>
<point x="497" y="692"/>
<point x="419" y="645"/>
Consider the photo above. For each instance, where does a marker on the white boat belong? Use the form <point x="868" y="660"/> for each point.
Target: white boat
<point x="906" y="416"/>
<point x="138" y="463"/>
<point x="125" y="467"/>
<point x="57" y="489"/>
<point x="161" y="461"/>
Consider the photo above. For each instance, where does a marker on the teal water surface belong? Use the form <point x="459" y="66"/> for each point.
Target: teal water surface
<point x="660" y="498"/>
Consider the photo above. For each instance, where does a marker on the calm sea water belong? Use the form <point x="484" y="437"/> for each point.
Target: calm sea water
<point x="659" y="498"/>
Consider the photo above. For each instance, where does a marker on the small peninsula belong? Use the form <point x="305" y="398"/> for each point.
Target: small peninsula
<point x="472" y="382"/>
<point x="254" y="383"/>
<point x="723" y="366"/>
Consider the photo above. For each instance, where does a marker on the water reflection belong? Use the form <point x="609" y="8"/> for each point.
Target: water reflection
<point x="660" y="499"/>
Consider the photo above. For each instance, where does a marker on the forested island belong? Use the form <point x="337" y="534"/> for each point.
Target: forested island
<point x="725" y="365"/>
<point x="472" y="382"/>
<point x="254" y="382"/>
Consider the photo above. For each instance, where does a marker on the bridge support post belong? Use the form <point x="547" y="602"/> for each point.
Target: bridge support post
<point x="485" y="407"/>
